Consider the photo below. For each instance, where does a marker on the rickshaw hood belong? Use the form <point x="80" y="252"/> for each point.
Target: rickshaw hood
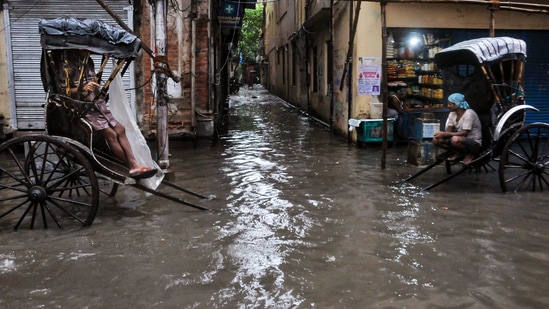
<point x="90" y="34"/>
<point x="481" y="50"/>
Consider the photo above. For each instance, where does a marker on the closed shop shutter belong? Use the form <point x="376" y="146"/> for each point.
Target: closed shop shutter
<point x="536" y="75"/>
<point x="25" y="50"/>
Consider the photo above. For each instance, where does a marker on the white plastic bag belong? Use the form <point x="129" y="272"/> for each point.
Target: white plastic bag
<point x="120" y="108"/>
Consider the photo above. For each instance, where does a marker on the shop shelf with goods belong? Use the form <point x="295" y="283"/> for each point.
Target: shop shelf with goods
<point x="412" y="67"/>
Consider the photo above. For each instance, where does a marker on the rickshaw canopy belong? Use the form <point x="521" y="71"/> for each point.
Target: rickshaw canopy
<point x="485" y="70"/>
<point x="481" y="51"/>
<point x="89" y="34"/>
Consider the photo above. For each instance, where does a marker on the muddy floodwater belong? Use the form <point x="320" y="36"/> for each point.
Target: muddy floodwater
<point x="299" y="219"/>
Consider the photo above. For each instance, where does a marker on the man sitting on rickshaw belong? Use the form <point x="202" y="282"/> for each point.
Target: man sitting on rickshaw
<point x="463" y="134"/>
<point x="76" y="75"/>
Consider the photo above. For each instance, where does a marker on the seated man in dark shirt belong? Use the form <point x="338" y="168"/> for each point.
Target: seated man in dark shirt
<point x="100" y="117"/>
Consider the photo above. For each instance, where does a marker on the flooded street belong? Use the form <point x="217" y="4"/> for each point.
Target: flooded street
<point x="300" y="219"/>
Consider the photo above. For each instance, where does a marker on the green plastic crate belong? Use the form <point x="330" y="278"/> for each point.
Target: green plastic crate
<point x="371" y="130"/>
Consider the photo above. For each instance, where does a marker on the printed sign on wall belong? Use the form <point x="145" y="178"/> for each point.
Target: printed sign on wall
<point x="369" y="75"/>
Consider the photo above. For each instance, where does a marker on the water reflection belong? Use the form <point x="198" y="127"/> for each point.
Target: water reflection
<point x="404" y="226"/>
<point x="302" y="220"/>
<point x="264" y="230"/>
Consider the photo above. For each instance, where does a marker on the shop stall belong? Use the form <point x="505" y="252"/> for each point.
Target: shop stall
<point x="410" y="65"/>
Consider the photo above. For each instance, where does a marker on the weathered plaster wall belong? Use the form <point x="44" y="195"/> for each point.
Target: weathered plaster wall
<point x="369" y="40"/>
<point x="460" y="16"/>
<point x="5" y="105"/>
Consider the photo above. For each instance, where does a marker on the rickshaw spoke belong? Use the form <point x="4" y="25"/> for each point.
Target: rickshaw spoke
<point x="66" y="178"/>
<point x="15" y="187"/>
<point x="53" y="216"/>
<point x="540" y="180"/>
<point x="75" y="184"/>
<point x="524" y="180"/>
<point x="20" y="166"/>
<point x="13" y="208"/>
<point x="40" y="176"/>
<point x="30" y="165"/>
<point x="33" y="217"/>
<point x="69" y="201"/>
<point x="543" y="180"/>
<point x="83" y="186"/>
<point x="62" y="189"/>
<point x="16" y="197"/>
<point x="517" y="156"/>
<point x="31" y="205"/>
<point x="67" y="212"/>
<point x="73" y="187"/>
<point x="43" y="212"/>
<point x="521" y="175"/>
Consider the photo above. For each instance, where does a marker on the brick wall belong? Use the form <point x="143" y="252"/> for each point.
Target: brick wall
<point x="180" y="115"/>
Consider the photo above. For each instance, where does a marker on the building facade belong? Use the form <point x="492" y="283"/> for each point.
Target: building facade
<point x="198" y="33"/>
<point x="321" y="53"/>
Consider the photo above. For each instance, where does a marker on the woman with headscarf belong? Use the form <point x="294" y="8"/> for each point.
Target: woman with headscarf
<point x="463" y="133"/>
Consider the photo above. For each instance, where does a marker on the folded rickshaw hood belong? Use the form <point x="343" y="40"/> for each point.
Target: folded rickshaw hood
<point x="90" y="34"/>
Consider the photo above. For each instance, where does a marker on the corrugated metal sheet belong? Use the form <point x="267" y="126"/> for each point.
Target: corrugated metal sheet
<point x="26" y="51"/>
<point x="536" y="76"/>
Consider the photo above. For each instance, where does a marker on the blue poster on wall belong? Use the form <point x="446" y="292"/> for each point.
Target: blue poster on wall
<point x="230" y="14"/>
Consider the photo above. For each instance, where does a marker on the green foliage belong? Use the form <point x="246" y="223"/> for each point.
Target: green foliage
<point x="250" y="34"/>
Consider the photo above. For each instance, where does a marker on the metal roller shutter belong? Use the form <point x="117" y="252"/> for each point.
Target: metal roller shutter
<point x="24" y="49"/>
<point x="536" y="75"/>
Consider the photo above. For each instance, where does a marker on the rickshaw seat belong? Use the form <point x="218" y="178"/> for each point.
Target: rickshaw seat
<point x="65" y="117"/>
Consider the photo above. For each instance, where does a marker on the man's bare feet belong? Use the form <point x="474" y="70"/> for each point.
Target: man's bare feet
<point x="453" y="157"/>
<point x="467" y="160"/>
<point x="142" y="172"/>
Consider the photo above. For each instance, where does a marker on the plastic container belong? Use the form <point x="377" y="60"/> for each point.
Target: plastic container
<point x="376" y="110"/>
<point x="371" y="130"/>
<point x="425" y="128"/>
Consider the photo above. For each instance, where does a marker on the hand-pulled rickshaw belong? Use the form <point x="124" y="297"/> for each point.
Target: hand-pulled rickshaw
<point x="489" y="72"/>
<point x="58" y="178"/>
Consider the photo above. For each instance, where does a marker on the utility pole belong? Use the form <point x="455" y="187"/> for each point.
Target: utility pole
<point x="160" y="64"/>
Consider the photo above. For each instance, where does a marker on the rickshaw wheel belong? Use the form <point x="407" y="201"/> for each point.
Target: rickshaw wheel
<point x="525" y="159"/>
<point x="45" y="181"/>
